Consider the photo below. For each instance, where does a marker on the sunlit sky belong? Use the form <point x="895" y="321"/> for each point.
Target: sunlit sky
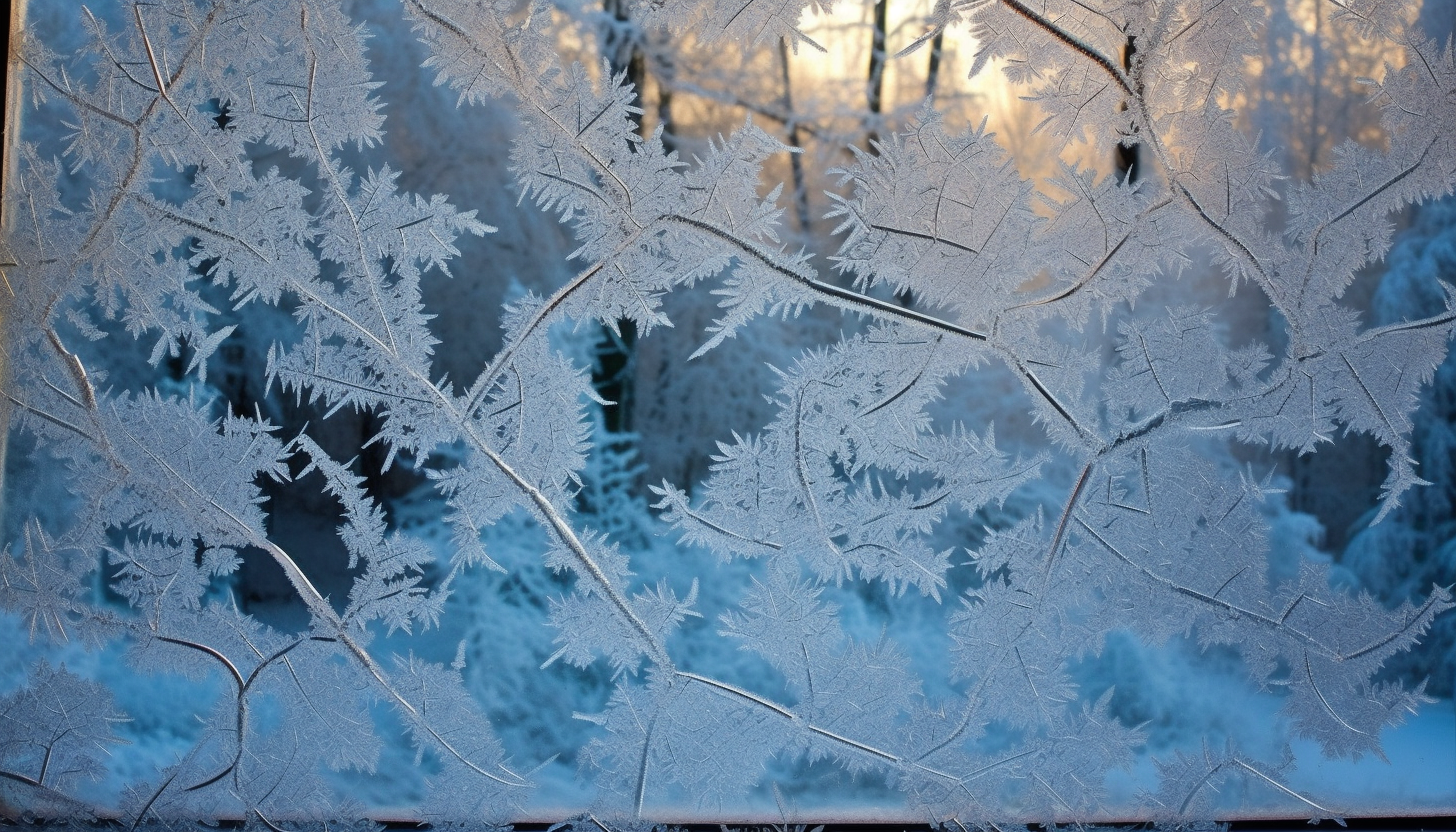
<point x="1313" y="79"/>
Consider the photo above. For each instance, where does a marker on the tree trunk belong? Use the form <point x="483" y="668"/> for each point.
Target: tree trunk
<point x="875" y="86"/>
<point x="664" y="70"/>
<point x="622" y="49"/>
<point x="1127" y="152"/>
<point x="796" y="162"/>
<point x="615" y="365"/>
<point x="932" y="73"/>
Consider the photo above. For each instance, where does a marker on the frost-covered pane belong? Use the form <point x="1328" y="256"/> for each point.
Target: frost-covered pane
<point x="1072" y="445"/>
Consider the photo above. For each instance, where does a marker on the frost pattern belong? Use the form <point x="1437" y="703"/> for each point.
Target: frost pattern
<point x="848" y="483"/>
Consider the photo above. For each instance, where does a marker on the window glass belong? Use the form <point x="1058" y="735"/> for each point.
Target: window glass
<point x="729" y="410"/>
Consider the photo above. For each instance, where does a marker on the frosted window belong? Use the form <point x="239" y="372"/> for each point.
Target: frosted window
<point x="1075" y="445"/>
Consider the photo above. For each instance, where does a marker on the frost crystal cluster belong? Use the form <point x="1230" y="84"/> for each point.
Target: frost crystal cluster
<point x="199" y="166"/>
